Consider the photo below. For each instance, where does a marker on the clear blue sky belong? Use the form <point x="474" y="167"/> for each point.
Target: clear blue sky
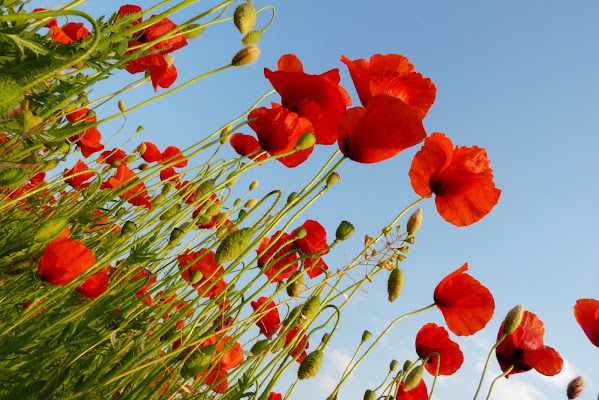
<point x="517" y="78"/>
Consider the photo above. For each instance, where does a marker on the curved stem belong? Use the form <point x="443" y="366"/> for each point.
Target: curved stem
<point x="482" y="377"/>
<point x="496" y="379"/>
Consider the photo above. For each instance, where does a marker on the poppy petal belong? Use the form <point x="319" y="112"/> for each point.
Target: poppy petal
<point x="545" y="360"/>
<point x="586" y="312"/>
<point x="435" y="339"/>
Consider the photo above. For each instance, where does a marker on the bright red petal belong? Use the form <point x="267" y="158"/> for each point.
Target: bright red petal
<point x="435" y="339"/>
<point x="586" y="312"/>
<point x="246" y="144"/>
<point x="290" y="63"/>
<point x="545" y="360"/>
<point x="418" y="393"/>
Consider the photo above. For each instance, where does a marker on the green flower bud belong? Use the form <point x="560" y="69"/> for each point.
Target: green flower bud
<point x="128" y="228"/>
<point x="259" y="347"/>
<point x="292" y="196"/>
<point x="344" y="230"/>
<point x="158" y="200"/>
<point x="395" y="284"/>
<point x="130" y="159"/>
<point x="90" y="114"/>
<point x="224" y="134"/>
<point x="121" y="105"/>
<point x="407" y="365"/>
<point x="310" y="365"/>
<point x="141" y="149"/>
<point x="366" y="335"/>
<point x="332" y="179"/>
<point x="278" y="344"/>
<point x="244" y="17"/>
<point x="10" y="95"/>
<point x="325" y="338"/>
<point x="231" y="179"/>
<point x="176" y="234"/>
<point x="167" y="187"/>
<point x="250" y="203"/>
<point x="414" y="222"/>
<point x="233" y="245"/>
<point x="198" y="361"/>
<point x="192" y="31"/>
<point x="310" y="309"/>
<point x="222" y="217"/>
<point x="305" y="141"/>
<point x="300" y="233"/>
<point x="241" y="215"/>
<point x="295" y="283"/>
<point x="394" y="365"/>
<point x="292" y="317"/>
<point x="50" y="229"/>
<point x="251" y="38"/>
<point x="13" y="177"/>
<point x="369" y="395"/>
<point x="213" y="210"/>
<point x="513" y="319"/>
<point x="245" y="56"/>
<point x="413" y="378"/>
<point x="171" y="212"/>
<point x="48" y="165"/>
<point x="205" y="187"/>
<point x="143" y="166"/>
<point x="253" y="185"/>
<point x="195" y="277"/>
<point x="120" y="212"/>
<point x="203" y="220"/>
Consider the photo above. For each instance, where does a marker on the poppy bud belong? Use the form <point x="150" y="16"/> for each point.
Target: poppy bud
<point x="366" y="335"/>
<point x="203" y="220"/>
<point x="12" y="177"/>
<point x="300" y="233"/>
<point x="332" y="179"/>
<point x="170" y="212"/>
<point x="198" y="361"/>
<point x="121" y="105"/>
<point x="325" y="338"/>
<point x="158" y="200"/>
<point x="250" y="203"/>
<point x="395" y="284"/>
<point x="245" y="56"/>
<point x="193" y="31"/>
<point x="394" y="365"/>
<point x="224" y="134"/>
<point x="176" y="234"/>
<point x="292" y="196"/>
<point x="167" y="187"/>
<point x="344" y="230"/>
<point x="10" y="95"/>
<point x="310" y="365"/>
<point x="310" y="309"/>
<point x="195" y="277"/>
<point x="50" y="229"/>
<point x="141" y="149"/>
<point x="513" y="319"/>
<point x="233" y="245"/>
<point x="278" y="344"/>
<point x="48" y="165"/>
<point x="222" y="217"/>
<point x="120" y="212"/>
<point x="295" y="283"/>
<point x="244" y="17"/>
<point x="369" y="395"/>
<point x="414" y="222"/>
<point x="205" y="187"/>
<point x="129" y="159"/>
<point x="128" y="228"/>
<point x="143" y="166"/>
<point x="413" y="378"/>
<point x="292" y="317"/>
<point x="407" y="365"/>
<point x="404" y="249"/>
<point x="253" y="185"/>
<point x="241" y="215"/>
<point x="90" y="114"/>
<point x="251" y="38"/>
<point x="213" y="210"/>
<point x="259" y="347"/>
<point x="305" y="141"/>
<point x="221" y="232"/>
<point x="231" y="179"/>
<point x="574" y="388"/>
<point x="113" y="164"/>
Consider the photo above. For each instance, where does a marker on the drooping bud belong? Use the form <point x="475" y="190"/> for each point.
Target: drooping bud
<point x="292" y="196"/>
<point x="224" y="134"/>
<point x="310" y="309"/>
<point x="394" y="365"/>
<point x="413" y="378"/>
<point x="233" y="245"/>
<point x="143" y="166"/>
<point x="251" y="38"/>
<point x="250" y="203"/>
<point x="245" y="56"/>
<point x="195" y="277"/>
<point x="50" y="229"/>
<point x="170" y="212"/>
<point x="167" y="187"/>
<point x="128" y="228"/>
<point x="141" y="149"/>
<point x="366" y="335"/>
<point x="369" y="395"/>
<point x="305" y="141"/>
<point x="395" y="284"/>
<point x="10" y="95"/>
<point x="12" y="177"/>
<point x="129" y="159"/>
<point x="120" y="212"/>
<point x="325" y="338"/>
<point x="300" y="233"/>
<point x="244" y="17"/>
<point x="292" y="317"/>
<point x="192" y="31"/>
<point x="344" y="230"/>
<point x="90" y="114"/>
<point x="295" y="283"/>
<point x="414" y="222"/>
<point x="176" y="234"/>
<point x="121" y="105"/>
<point x="222" y="217"/>
<point x="231" y="179"/>
<point x="205" y="187"/>
<point x="253" y="185"/>
<point x="198" y="361"/>
<point x="513" y="319"/>
<point x="574" y="388"/>
<point x="310" y="365"/>
<point x="259" y="347"/>
<point x="48" y="165"/>
<point x="407" y="365"/>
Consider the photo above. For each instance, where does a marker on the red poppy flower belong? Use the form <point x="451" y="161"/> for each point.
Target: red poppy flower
<point x="467" y="306"/>
<point x="50" y="24"/>
<point x="129" y="9"/>
<point x="278" y="131"/>
<point x="314" y="242"/>
<point x="124" y="177"/>
<point x="110" y="156"/>
<point x="95" y="285"/>
<point x="209" y="268"/>
<point x="215" y="376"/>
<point x="278" y="258"/>
<point x="89" y="140"/>
<point x="435" y="339"/>
<point x="275" y="396"/>
<point x="78" y="181"/>
<point x="245" y="145"/>
<point x="460" y="177"/>
<point x="524" y="349"/>
<point x="69" y="33"/>
<point x="161" y="28"/>
<point x="380" y="131"/>
<point x="162" y="73"/>
<point x="391" y="74"/>
<point x="171" y="154"/>
<point x="169" y="174"/>
<point x="586" y="312"/>
<point x="318" y="98"/>
<point x="151" y="153"/>
<point x="270" y="321"/>
<point x="64" y="260"/>
<point x="290" y="336"/>
<point x="418" y="393"/>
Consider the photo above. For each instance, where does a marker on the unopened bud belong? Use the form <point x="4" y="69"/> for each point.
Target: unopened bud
<point x="245" y="56"/>
<point x="90" y="114"/>
<point x="366" y="335"/>
<point x="413" y="378"/>
<point x="120" y="212"/>
<point x="292" y="196"/>
<point x="231" y="179"/>
<point x="244" y="17"/>
<point x="344" y="230"/>
<point x="305" y="141"/>
<point x="395" y="284"/>
<point x="574" y="388"/>
<point x="141" y="149"/>
<point x="295" y="283"/>
<point x="195" y="277"/>
<point x="167" y="187"/>
<point x="193" y="31"/>
<point x="310" y="365"/>
<point x="224" y="134"/>
<point x="310" y="309"/>
<point x="129" y="159"/>
<point x="278" y="344"/>
<point x="250" y="203"/>
<point x="50" y="229"/>
<point x="213" y="210"/>
<point x="259" y="347"/>
<point x="158" y="200"/>
<point x="198" y="361"/>
<point x="233" y="245"/>
<point x="128" y="228"/>
<point x="222" y="217"/>
<point x="143" y="166"/>
<point x="414" y="222"/>
<point x="332" y="179"/>
<point x="300" y="233"/>
<point x="121" y="104"/>
<point x="513" y="319"/>
<point x="253" y="185"/>
<point x="407" y="365"/>
<point x="369" y="395"/>
<point x="251" y="38"/>
<point x="394" y="365"/>
<point x="176" y="234"/>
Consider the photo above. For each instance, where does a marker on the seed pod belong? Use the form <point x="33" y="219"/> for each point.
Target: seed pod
<point x="369" y="395"/>
<point x="176" y="234"/>
<point x="12" y="177"/>
<point x="394" y="365"/>
<point x="251" y="38"/>
<point x="513" y="319"/>
<point x="404" y="249"/>
<point x="414" y="222"/>
<point x="574" y="388"/>
<point x="195" y="277"/>
<point x="193" y="31"/>
<point x="198" y="361"/>
<point x="310" y="309"/>
<point x="259" y="347"/>
<point x="128" y="228"/>
<point x="411" y="240"/>
<point x="278" y="344"/>
<point x="50" y="229"/>
<point x="395" y="284"/>
<point x="295" y="283"/>
<point x="344" y="230"/>
<point x="245" y="56"/>
<point x="244" y="17"/>
<point x="11" y="95"/>
<point x="250" y="203"/>
<point x="233" y="245"/>
<point x="366" y="335"/>
<point x="310" y="365"/>
<point x="332" y="179"/>
<point x="305" y="141"/>
<point x="413" y="378"/>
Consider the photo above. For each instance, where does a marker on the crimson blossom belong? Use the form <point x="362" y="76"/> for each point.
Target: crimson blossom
<point x="420" y="392"/>
<point x="315" y="241"/>
<point x="586" y="312"/>
<point x="64" y="260"/>
<point x="435" y="339"/>
<point x="279" y="257"/>
<point x="270" y="319"/>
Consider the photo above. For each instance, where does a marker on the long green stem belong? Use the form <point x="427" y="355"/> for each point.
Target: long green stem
<point x="482" y="377"/>
<point x="498" y="378"/>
